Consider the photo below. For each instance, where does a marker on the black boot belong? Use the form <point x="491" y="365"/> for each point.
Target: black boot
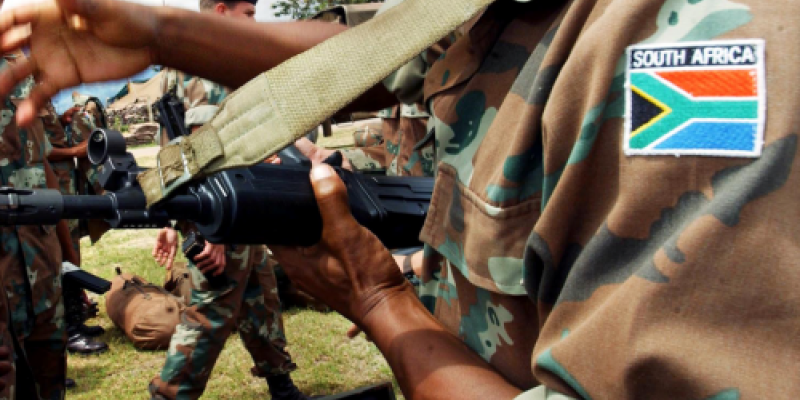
<point x="281" y="387"/>
<point x="74" y="316"/>
<point x="91" y="331"/>
<point x="77" y="342"/>
<point x="69" y="383"/>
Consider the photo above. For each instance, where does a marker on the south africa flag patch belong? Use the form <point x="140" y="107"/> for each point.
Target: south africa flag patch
<point x="695" y="98"/>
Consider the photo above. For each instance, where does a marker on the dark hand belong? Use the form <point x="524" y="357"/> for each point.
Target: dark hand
<point x="349" y="269"/>
<point x="212" y="259"/>
<point x="75" y="41"/>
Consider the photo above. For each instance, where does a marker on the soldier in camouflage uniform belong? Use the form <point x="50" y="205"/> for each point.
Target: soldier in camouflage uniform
<point x="249" y="301"/>
<point x="564" y="261"/>
<point x="31" y="255"/>
<point x="78" y="176"/>
<point x="613" y="212"/>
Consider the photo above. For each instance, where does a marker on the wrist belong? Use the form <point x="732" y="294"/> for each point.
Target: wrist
<point x="165" y="30"/>
<point x="396" y="314"/>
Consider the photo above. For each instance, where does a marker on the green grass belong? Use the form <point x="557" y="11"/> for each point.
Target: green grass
<point x="328" y="362"/>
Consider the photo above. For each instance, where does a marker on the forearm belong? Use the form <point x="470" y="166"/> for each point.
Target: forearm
<point x="428" y="361"/>
<point x="230" y="51"/>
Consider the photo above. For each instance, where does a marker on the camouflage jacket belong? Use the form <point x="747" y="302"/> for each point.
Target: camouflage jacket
<point x="605" y="221"/>
<point x="58" y="138"/>
<point x="84" y="122"/>
<point x="23" y="152"/>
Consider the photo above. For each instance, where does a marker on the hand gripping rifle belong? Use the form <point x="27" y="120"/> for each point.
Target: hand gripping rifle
<point x="264" y="204"/>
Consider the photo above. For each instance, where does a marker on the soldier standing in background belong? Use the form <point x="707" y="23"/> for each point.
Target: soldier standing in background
<point x="78" y="176"/>
<point x="31" y="256"/>
<point x="249" y="300"/>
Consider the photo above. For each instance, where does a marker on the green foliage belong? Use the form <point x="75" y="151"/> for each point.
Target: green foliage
<point x="302" y="9"/>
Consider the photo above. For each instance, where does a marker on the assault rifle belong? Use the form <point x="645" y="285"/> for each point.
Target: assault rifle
<point x="264" y="204"/>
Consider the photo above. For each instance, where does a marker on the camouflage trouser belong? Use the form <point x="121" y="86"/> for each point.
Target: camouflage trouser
<point x="31" y="274"/>
<point x="250" y="299"/>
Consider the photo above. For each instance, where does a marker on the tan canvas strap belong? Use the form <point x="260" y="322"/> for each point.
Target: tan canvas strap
<point x="277" y="107"/>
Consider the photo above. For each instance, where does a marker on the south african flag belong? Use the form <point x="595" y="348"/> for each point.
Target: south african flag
<point x="695" y="99"/>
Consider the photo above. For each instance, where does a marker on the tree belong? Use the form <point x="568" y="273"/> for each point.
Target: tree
<point x="302" y="9"/>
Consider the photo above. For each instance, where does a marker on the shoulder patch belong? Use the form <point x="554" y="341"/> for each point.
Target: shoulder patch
<point x="695" y="98"/>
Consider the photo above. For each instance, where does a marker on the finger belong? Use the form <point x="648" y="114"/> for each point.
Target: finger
<point x="306" y="147"/>
<point x="20" y="15"/>
<point x="15" y="38"/>
<point x="204" y="265"/>
<point x="206" y="253"/>
<point x="353" y="331"/>
<point x="171" y="257"/>
<point x="221" y="262"/>
<point x="218" y="269"/>
<point x="208" y="268"/>
<point x="331" y="197"/>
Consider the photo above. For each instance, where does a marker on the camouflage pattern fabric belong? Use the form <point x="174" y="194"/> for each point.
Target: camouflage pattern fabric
<point x="64" y="170"/>
<point x="31" y="255"/>
<point x="254" y="302"/>
<point x="564" y="262"/>
<point x="208" y="321"/>
<point x="401" y="147"/>
<point x="368" y="136"/>
<point x="82" y="126"/>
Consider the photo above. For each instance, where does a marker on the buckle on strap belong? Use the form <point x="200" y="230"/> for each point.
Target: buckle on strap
<point x="187" y="157"/>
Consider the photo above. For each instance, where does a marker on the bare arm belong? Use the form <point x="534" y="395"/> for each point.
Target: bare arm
<point x="256" y="47"/>
<point x="426" y="358"/>
<point x="231" y="51"/>
<point x="352" y="272"/>
<point x="75" y="41"/>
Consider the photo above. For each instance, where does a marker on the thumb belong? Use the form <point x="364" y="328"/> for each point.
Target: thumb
<point x="331" y="195"/>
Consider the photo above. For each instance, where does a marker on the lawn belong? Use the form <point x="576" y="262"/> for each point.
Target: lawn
<point x="328" y="362"/>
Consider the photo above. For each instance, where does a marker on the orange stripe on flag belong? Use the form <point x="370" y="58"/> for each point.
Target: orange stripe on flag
<point x="714" y="83"/>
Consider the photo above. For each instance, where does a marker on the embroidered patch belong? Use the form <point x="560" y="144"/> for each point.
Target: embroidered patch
<point x="695" y="98"/>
